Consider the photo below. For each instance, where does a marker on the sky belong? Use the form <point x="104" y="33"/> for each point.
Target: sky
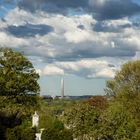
<point x="83" y="41"/>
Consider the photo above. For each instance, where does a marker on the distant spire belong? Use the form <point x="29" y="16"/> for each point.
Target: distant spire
<point x="62" y="88"/>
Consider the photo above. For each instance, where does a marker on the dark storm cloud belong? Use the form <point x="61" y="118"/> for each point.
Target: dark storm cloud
<point x="101" y="10"/>
<point x="109" y="9"/>
<point x="52" y="5"/>
<point x="29" y="30"/>
<point x="113" y="9"/>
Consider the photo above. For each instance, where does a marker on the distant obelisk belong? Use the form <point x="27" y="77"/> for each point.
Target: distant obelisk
<point x="62" y="88"/>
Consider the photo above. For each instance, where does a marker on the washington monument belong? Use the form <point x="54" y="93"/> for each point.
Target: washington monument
<point x="62" y="88"/>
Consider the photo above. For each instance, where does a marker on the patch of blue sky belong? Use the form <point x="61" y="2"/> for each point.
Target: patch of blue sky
<point x="75" y="12"/>
<point x="73" y="85"/>
<point x="5" y="8"/>
<point x="136" y="1"/>
<point x="2" y="13"/>
<point x="135" y="18"/>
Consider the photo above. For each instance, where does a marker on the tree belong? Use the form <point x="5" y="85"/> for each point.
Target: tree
<point x="127" y="80"/>
<point x="125" y="87"/>
<point x="18" y="133"/>
<point x="121" y="120"/>
<point x="118" y="123"/>
<point x="18" y="93"/>
<point x="98" y="102"/>
<point x="56" y="132"/>
<point x="82" y="119"/>
<point x="17" y="74"/>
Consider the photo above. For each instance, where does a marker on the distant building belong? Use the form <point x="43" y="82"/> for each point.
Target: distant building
<point x="53" y="96"/>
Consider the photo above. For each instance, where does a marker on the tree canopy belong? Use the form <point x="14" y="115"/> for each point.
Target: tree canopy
<point x="127" y="80"/>
<point x="17" y="74"/>
<point x="115" y="118"/>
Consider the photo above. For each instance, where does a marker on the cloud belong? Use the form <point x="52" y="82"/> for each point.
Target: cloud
<point x="74" y="45"/>
<point x="51" y="5"/>
<point x="7" y="40"/>
<point x="113" y="9"/>
<point x="78" y="36"/>
<point x="113" y="25"/>
<point x="105" y="73"/>
<point x="88" y="68"/>
<point x="52" y="70"/>
<point x="68" y="42"/>
<point x="100" y="9"/>
<point x="29" y="30"/>
<point x="81" y="27"/>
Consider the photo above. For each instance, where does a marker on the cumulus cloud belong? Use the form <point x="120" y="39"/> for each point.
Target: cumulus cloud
<point x="67" y="41"/>
<point x="7" y="40"/>
<point x="105" y="73"/>
<point x="78" y="36"/>
<point x="72" y="44"/>
<point x="52" y="70"/>
<point x="85" y="68"/>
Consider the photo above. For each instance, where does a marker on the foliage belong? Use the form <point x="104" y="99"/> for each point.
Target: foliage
<point x="18" y="95"/>
<point x="17" y="74"/>
<point x="121" y="120"/>
<point x="2" y="132"/>
<point x="82" y="119"/>
<point x="114" y="119"/>
<point x="57" y="131"/>
<point x="118" y="123"/>
<point x="18" y="133"/>
<point x="49" y="119"/>
<point x="98" y="102"/>
<point x="98" y="118"/>
<point x="126" y="80"/>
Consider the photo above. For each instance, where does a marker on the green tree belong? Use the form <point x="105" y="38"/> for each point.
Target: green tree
<point x="118" y="123"/>
<point x="17" y="74"/>
<point x="56" y="132"/>
<point x="121" y="120"/>
<point x="126" y="80"/>
<point x="82" y="120"/>
<point x="18" y="94"/>
<point x="18" y="133"/>
<point x="125" y="87"/>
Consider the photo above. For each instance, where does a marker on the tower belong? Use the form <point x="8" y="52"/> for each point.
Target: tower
<point x="62" y="88"/>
